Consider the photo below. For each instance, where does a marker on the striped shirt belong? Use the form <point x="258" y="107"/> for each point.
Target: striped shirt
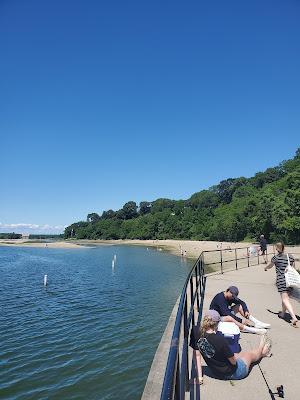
<point x="281" y="262"/>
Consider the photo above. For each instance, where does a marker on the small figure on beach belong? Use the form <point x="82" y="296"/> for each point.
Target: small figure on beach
<point x="181" y="250"/>
<point x="263" y="247"/>
<point x="280" y="260"/>
<point x="184" y="253"/>
<point x="222" y="361"/>
<point x="227" y="304"/>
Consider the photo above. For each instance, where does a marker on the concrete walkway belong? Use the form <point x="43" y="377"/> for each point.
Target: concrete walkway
<point x="258" y="289"/>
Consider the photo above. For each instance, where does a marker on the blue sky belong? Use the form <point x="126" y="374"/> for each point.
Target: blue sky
<point x="106" y="102"/>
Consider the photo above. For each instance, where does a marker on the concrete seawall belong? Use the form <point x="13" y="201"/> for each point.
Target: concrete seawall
<point x="156" y="375"/>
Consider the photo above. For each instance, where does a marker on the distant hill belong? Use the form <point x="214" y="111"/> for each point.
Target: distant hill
<point x="234" y="210"/>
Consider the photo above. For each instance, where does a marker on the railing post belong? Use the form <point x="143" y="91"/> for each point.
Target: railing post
<point x="248" y="256"/>
<point x="236" y="267"/>
<point x="186" y="355"/>
<point x="177" y="384"/>
<point x="192" y="295"/>
<point x="221" y="261"/>
<point x="197" y="284"/>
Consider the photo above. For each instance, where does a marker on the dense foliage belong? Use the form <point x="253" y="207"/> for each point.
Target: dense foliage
<point x="47" y="236"/>
<point x="234" y="210"/>
<point x="12" y="235"/>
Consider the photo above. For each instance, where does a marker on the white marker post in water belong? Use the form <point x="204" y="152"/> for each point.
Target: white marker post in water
<point x="45" y="280"/>
<point x="113" y="264"/>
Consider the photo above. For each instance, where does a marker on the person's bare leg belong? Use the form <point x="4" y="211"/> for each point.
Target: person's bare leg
<point x="228" y="318"/>
<point x="242" y="327"/>
<point x="288" y="305"/>
<point x="282" y="313"/>
<point x="265" y="257"/>
<point x="252" y="356"/>
<point x="238" y="309"/>
<point x="250" y="320"/>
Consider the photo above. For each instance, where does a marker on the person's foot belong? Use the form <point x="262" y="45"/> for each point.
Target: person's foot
<point x="267" y="350"/>
<point x="294" y="323"/>
<point x="260" y="331"/>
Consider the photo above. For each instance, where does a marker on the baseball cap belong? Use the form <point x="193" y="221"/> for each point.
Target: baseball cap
<point x="234" y="291"/>
<point x="213" y="315"/>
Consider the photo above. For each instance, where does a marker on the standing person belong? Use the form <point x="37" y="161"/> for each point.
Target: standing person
<point x="227" y="304"/>
<point x="280" y="260"/>
<point x="263" y="247"/>
<point x="215" y="350"/>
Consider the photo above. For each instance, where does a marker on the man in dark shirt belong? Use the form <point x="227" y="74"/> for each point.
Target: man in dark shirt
<point x="228" y="305"/>
<point x="263" y="248"/>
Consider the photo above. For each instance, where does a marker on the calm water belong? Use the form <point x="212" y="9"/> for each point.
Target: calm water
<point x="92" y="333"/>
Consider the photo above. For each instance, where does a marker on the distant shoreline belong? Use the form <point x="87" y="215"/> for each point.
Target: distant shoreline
<point x="190" y="248"/>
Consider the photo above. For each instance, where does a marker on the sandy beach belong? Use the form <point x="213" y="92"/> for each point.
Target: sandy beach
<point x="35" y="243"/>
<point x="189" y="248"/>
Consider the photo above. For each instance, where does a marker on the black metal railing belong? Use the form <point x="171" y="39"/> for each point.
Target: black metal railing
<point x="228" y="259"/>
<point x="178" y="371"/>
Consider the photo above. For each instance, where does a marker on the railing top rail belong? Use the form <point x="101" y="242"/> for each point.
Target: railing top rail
<point x="231" y="248"/>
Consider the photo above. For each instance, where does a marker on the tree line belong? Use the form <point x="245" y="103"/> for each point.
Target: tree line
<point x="234" y="210"/>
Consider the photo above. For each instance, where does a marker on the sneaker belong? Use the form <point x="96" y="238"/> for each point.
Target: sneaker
<point x="262" y="325"/>
<point x="261" y="331"/>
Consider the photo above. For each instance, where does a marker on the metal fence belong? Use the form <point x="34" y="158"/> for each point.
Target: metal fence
<point x="228" y="259"/>
<point x="178" y="371"/>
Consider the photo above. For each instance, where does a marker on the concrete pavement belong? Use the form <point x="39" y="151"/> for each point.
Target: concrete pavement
<point x="258" y="289"/>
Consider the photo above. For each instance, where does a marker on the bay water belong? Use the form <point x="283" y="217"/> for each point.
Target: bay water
<point x="93" y="331"/>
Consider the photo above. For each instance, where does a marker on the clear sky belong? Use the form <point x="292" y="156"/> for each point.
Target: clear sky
<point x="102" y="102"/>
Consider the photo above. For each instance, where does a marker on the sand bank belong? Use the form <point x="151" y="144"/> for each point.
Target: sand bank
<point x="190" y="248"/>
<point x="28" y="243"/>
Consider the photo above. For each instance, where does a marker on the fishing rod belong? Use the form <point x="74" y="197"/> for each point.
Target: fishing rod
<point x="280" y="390"/>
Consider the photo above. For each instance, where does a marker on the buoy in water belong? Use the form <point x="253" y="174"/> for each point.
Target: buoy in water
<point x="45" y="280"/>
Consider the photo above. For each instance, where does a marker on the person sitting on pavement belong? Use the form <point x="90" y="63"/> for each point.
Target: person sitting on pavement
<point x="223" y="363"/>
<point x="228" y="305"/>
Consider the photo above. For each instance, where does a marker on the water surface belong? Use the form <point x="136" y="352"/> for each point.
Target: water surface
<point x="92" y="333"/>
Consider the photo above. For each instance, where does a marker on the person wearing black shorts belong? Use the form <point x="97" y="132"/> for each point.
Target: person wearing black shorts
<point x="263" y="248"/>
